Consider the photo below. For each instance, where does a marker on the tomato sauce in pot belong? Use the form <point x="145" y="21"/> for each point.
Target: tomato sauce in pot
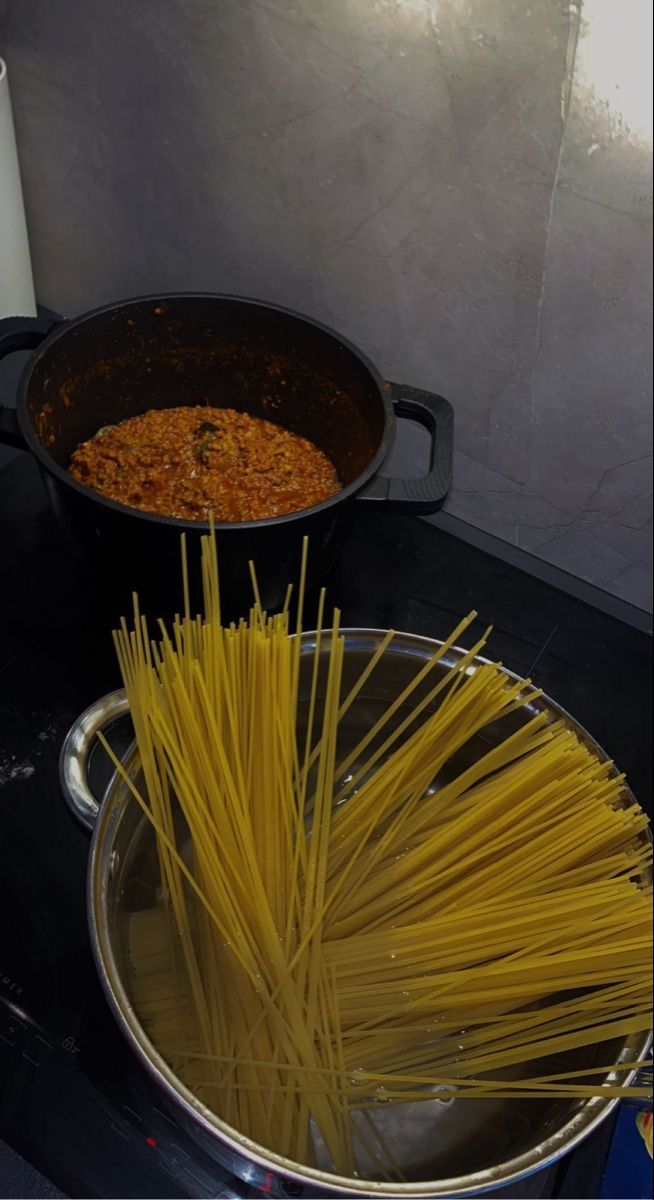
<point x="197" y="462"/>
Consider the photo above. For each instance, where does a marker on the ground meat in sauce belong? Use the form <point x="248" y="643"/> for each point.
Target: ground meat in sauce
<point x="197" y="462"/>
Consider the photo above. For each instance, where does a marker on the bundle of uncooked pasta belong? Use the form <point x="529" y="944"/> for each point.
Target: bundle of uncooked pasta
<point x="348" y="928"/>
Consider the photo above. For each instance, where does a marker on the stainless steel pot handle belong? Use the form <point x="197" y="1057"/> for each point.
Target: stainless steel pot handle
<point x="642" y="1078"/>
<point x="74" y="757"/>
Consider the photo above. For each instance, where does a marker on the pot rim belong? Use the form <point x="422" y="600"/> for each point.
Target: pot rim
<point x="578" y="1126"/>
<point x="180" y="523"/>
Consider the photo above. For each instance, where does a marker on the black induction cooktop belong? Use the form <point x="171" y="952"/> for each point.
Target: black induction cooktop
<point x="74" y="1102"/>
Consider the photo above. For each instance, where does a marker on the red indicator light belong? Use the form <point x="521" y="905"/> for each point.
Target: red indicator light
<point x="151" y="1141"/>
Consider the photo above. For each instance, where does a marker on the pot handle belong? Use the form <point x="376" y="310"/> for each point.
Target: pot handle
<point x="74" y="757"/>
<point x="642" y="1078"/>
<point x="427" y="494"/>
<point x="10" y="431"/>
<point x="24" y="333"/>
<point x="19" y="333"/>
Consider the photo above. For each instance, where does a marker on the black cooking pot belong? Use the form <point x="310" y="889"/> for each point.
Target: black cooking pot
<point x="164" y="351"/>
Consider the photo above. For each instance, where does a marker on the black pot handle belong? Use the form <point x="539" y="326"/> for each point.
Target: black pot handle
<point x="24" y="333"/>
<point x="427" y="494"/>
<point x="19" y="333"/>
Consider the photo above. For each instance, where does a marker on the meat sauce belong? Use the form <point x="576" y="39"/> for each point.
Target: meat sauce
<point x="200" y="462"/>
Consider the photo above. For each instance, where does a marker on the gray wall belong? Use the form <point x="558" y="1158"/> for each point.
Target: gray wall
<point x="461" y="186"/>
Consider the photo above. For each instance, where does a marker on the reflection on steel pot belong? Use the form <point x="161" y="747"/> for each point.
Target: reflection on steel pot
<point x="460" y="1148"/>
<point x="166" y="351"/>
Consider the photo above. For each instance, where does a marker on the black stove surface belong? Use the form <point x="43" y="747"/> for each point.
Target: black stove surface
<point x="73" y="1099"/>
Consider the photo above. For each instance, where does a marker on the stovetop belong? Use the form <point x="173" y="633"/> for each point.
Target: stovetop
<point x="73" y="1099"/>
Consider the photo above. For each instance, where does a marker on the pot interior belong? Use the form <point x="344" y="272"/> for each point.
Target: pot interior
<point x="165" y="352"/>
<point x="430" y="1141"/>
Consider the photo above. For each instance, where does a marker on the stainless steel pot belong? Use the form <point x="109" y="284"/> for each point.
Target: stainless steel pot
<point x="460" y="1148"/>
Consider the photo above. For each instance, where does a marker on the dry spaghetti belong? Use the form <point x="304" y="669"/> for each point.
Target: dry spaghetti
<point x="315" y="957"/>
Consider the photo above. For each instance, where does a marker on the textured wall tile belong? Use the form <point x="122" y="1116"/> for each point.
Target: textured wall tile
<point x="634" y="541"/>
<point x="581" y="554"/>
<point x="591" y="384"/>
<point x="634" y="585"/>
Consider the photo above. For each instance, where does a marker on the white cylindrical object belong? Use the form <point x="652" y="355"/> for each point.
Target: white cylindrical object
<point x="16" y="284"/>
